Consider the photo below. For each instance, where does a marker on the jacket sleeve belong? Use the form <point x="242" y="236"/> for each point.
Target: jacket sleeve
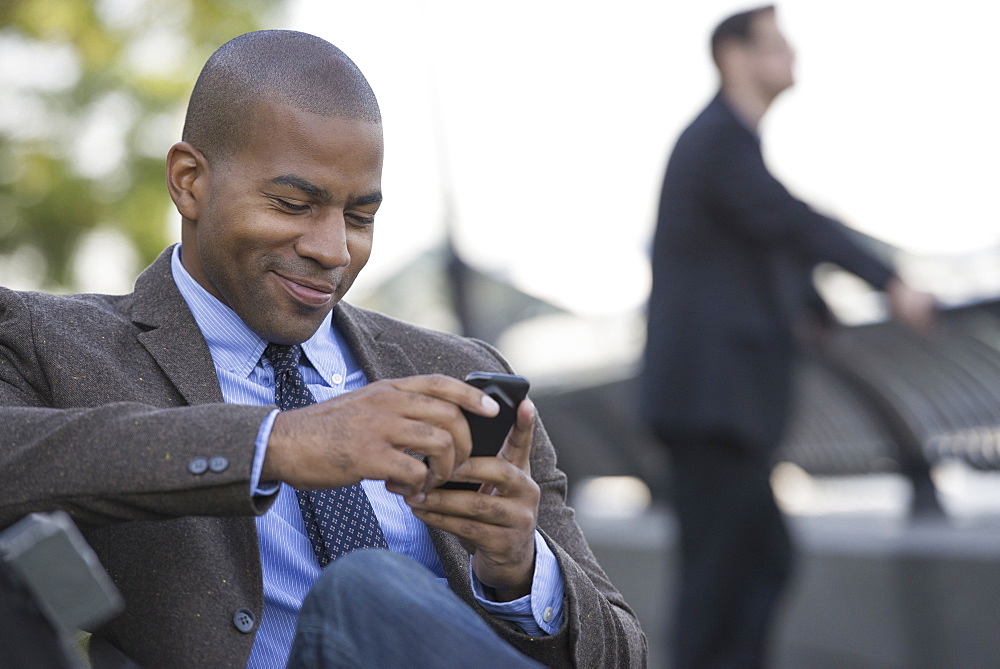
<point x="117" y="461"/>
<point x="599" y="629"/>
<point x="760" y="208"/>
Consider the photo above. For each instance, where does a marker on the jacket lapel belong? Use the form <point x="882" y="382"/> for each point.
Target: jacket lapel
<point x="171" y="335"/>
<point x="372" y="345"/>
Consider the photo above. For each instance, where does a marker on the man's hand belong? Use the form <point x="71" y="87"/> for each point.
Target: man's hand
<point x="497" y="523"/>
<point x="365" y="434"/>
<point x="912" y="308"/>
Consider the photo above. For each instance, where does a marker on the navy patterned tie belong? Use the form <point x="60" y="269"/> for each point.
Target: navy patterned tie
<point x="339" y="520"/>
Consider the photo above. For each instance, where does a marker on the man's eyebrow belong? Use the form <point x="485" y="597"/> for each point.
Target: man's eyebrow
<point x="303" y="185"/>
<point x="322" y="194"/>
<point x="371" y="198"/>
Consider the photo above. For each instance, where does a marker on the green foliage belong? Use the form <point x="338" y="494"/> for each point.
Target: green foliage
<point x="91" y="97"/>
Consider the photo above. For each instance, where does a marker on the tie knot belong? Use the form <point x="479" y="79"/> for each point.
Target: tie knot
<point x="283" y="357"/>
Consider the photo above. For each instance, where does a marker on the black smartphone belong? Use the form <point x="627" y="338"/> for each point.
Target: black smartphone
<point x="488" y="434"/>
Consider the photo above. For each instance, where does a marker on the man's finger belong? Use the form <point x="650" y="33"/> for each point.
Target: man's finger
<point x="452" y="390"/>
<point x="517" y="447"/>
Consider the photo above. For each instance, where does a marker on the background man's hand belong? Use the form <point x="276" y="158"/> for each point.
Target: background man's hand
<point x="913" y="308"/>
<point x="497" y="523"/>
<point x="365" y="434"/>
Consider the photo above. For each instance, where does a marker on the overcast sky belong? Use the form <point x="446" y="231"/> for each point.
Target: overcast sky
<point x="549" y="123"/>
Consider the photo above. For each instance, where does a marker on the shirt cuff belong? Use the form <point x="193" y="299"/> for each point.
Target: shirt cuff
<point x="539" y="613"/>
<point x="258" y="487"/>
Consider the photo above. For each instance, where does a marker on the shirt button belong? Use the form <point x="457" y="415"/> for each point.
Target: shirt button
<point x="218" y="464"/>
<point x="198" y="466"/>
<point x="337" y="379"/>
<point x="244" y="620"/>
<point x="547" y="614"/>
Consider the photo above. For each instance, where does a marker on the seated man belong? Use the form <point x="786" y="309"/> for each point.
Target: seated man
<point x="151" y="418"/>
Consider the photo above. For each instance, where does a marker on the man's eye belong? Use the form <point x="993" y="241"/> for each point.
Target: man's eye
<point x="362" y="220"/>
<point x="289" y="206"/>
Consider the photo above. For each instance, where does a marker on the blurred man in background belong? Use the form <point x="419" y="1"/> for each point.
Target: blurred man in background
<point x="732" y="261"/>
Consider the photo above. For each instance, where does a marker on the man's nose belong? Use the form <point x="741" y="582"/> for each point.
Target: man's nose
<point x="326" y="242"/>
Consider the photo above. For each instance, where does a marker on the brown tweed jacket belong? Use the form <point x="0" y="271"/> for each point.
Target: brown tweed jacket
<point x="104" y="402"/>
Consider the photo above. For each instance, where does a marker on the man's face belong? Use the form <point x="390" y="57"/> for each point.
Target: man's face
<point x="772" y="58"/>
<point x="285" y="225"/>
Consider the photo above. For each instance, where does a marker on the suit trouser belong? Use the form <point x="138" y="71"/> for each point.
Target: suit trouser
<point x="375" y="608"/>
<point x="735" y="552"/>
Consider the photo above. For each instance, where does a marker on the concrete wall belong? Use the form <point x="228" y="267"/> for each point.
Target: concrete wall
<point x="870" y="590"/>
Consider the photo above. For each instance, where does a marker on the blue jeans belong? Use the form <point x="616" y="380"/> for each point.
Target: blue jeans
<point x="375" y="608"/>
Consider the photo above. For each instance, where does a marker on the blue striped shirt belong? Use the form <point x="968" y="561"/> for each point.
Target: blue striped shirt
<point x="287" y="560"/>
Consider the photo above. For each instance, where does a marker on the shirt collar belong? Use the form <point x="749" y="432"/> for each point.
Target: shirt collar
<point x="237" y="348"/>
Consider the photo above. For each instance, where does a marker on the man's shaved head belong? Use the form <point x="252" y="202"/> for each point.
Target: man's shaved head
<point x="277" y="66"/>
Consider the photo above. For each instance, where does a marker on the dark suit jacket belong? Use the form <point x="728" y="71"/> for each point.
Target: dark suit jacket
<point x="104" y="400"/>
<point x="732" y="257"/>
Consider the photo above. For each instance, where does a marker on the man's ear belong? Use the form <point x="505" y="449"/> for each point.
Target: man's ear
<point x="730" y="59"/>
<point x="187" y="179"/>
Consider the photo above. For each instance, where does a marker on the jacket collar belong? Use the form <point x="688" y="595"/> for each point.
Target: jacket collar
<point x="724" y="107"/>
<point x="171" y="335"/>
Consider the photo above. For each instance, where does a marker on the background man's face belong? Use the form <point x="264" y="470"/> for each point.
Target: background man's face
<point x="288" y="221"/>
<point x="772" y="58"/>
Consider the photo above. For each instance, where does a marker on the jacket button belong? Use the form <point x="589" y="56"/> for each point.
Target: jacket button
<point x="244" y="620"/>
<point x="218" y="464"/>
<point x="198" y="465"/>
